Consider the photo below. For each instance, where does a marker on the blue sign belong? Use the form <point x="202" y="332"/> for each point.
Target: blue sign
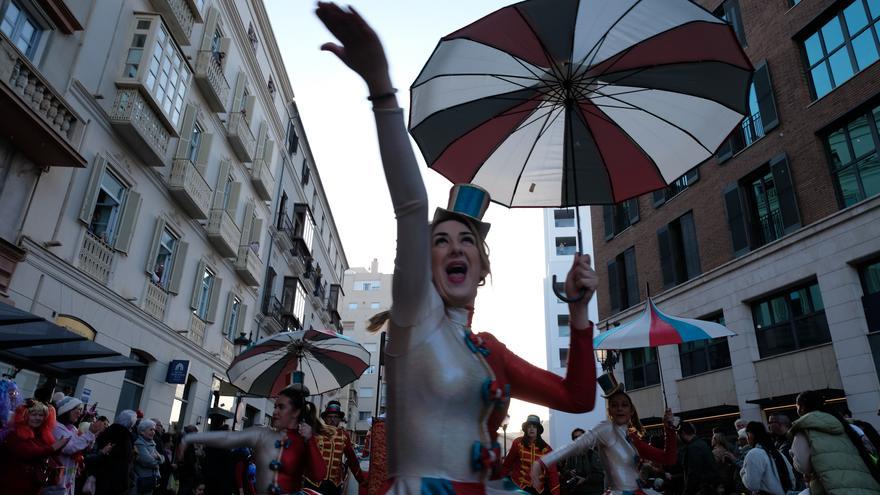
<point x="177" y="369"/>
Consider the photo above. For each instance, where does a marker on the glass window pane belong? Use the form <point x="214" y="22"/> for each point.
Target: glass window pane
<point x="874" y="7"/>
<point x="841" y="66"/>
<point x="855" y="17"/>
<point x="821" y="80"/>
<point x="865" y="49"/>
<point x="814" y="48"/>
<point x="860" y="136"/>
<point x="832" y="34"/>
<point x="839" y="149"/>
<point x="849" y="188"/>
<point x="871" y="276"/>
<point x="869" y="169"/>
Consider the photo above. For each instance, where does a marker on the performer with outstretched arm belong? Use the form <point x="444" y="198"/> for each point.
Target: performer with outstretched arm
<point x="440" y="373"/>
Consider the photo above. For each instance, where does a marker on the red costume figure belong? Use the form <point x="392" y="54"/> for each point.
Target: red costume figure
<point x="335" y="443"/>
<point x="25" y="469"/>
<point x="526" y="450"/>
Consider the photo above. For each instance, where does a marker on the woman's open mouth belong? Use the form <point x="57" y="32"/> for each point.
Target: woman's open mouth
<point x="456" y="272"/>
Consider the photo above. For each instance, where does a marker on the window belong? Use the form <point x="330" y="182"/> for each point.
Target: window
<point x="216" y="41"/>
<point x="110" y="208"/>
<point x="619" y="216"/>
<point x="370" y="370"/>
<point x="680" y="184"/>
<point x="560" y="287"/>
<point x="204" y="288"/>
<point x="562" y="324"/>
<point x="563" y="218"/>
<point x="729" y="11"/>
<point x="844" y="45"/>
<point x="762" y="207"/>
<point x="299" y="306"/>
<point x="762" y="117"/>
<point x="228" y="197"/>
<point x="563" y="358"/>
<point x="21" y="28"/>
<point x="365" y="415"/>
<point x="292" y="138"/>
<point x="374" y="305"/>
<point x="252" y="37"/>
<point x="704" y="355"/>
<point x="623" y="283"/>
<point x="305" y="173"/>
<point x="180" y="405"/>
<point x="790" y="320"/>
<point x="366" y="392"/>
<point x="640" y="368"/>
<point x="869" y="273"/>
<point x="133" y="384"/>
<point x="367" y="285"/>
<point x="194" y="142"/>
<point x="164" y="259"/>
<point x="854" y="162"/>
<point x="352" y="305"/>
<point x="304" y="225"/>
<point x="565" y="246"/>
<point x="679" y="255"/>
<point x="233" y="323"/>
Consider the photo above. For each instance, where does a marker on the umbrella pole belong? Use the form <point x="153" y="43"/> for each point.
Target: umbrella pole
<point x="662" y="385"/>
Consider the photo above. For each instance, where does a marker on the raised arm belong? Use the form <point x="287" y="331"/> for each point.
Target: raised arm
<point x="362" y="51"/>
<point x="666" y="456"/>
<point x="588" y="440"/>
<point x="223" y="439"/>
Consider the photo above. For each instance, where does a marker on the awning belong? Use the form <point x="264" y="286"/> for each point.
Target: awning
<point x="30" y="342"/>
<point x="789" y="399"/>
<point x="707" y="413"/>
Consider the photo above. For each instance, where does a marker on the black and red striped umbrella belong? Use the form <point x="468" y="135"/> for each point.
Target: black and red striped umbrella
<point x="553" y="103"/>
<point x="329" y="360"/>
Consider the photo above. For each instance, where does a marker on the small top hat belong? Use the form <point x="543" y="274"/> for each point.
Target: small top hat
<point x="466" y="201"/>
<point x="609" y="385"/>
<point x="533" y="419"/>
<point x="333" y="407"/>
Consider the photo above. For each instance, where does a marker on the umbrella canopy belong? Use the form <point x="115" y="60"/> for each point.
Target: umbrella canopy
<point x="550" y="103"/>
<point x="655" y="328"/>
<point x="330" y="361"/>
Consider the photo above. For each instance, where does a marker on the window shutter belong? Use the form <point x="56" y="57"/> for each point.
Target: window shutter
<point x="220" y="186"/>
<point x="693" y="175"/>
<point x="249" y="103"/>
<point x="764" y="93"/>
<point x="154" y="246"/>
<point x="632" y="278"/>
<point x="177" y="269"/>
<point x="234" y="194"/>
<point x="791" y="219"/>
<point x="215" y="297"/>
<point x="613" y="286"/>
<point x="608" y="217"/>
<point x="666" y="262"/>
<point x="725" y="151"/>
<point x="239" y="90"/>
<point x="186" y="130"/>
<point x="246" y="223"/>
<point x="128" y="221"/>
<point x="691" y="250"/>
<point x="256" y="230"/>
<point x="91" y="196"/>
<point x="633" y="208"/>
<point x="204" y="153"/>
<point x="197" y="286"/>
<point x="732" y="12"/>
<point x="659" y="197"/>
<point x="242" y="316"/>
<point x="211" y="21"/>
<point x="736" y="220"/>
<point x="262" y="133"/>
<point x="269" y="154"/>
<point x="230" y="299"/>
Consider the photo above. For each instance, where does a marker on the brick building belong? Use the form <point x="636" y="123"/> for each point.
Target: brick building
<point x="778" y="235"/>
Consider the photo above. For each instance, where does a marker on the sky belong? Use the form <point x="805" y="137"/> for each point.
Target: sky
<point x="341" y="133"/>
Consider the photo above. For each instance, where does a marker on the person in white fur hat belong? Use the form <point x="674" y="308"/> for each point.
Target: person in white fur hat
<point x="68" y="410"/>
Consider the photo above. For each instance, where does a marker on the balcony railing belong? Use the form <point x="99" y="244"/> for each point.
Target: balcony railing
<point x="248" y="266"/>
<point x="37" y="118"/>
<point x="210" y="78"/>
<point x="190" y="189"/>
<point x="771" y="226"/>
<point x="227" y="350"/>
<point x="223" y="233"/>
<point x="302" y="258"/>
<point x="155" y="301"/>
<point x="95" y="258"/>
<point x="180" y="17"/>
<point x="196" y="330"/>
<point x="272" y="309"/>
<point x="261" y="178"/>
<point x="240" y="136"/>
<point x="133" y="117"/>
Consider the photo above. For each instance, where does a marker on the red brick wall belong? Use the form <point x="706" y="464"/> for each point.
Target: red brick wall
<point x="770" y="27"/>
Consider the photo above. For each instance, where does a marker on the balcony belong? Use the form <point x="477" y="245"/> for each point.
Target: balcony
<point x="240" y="136"/>
<point x="261" y="179"/>
<point x="196" y="330"/>
<point x="155" y="301"/>
<point x="190" y="189"/>
<point x="274" y="319"/>
<point x="223" y="233"/>
<point x="36" y="118"/>
<point x="248" y="266"/>
<point x="227" y="350"/>
<point x="95" y="258"/>
<point x="211" y="80"/>
<point x="139" y="125"/>
<point x="179" y="15"/>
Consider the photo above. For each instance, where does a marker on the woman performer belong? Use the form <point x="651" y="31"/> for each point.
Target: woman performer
<point x="439" y="372"/>
<point x="25" y="469"/>
<point x="283" y="454"/>
<point x="620" y="443"/>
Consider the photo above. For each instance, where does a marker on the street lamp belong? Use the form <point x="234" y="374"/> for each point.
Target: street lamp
<point x="504" y="424"/>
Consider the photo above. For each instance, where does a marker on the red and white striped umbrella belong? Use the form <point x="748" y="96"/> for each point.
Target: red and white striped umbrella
<point x="329" y="360"/>
<point x="550" y="103"/>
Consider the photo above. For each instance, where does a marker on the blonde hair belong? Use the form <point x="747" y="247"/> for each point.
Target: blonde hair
<point x="378" y="320"/>
<point x="635" y="424"/>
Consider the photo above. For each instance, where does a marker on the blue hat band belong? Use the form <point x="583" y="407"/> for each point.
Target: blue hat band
<point x="468" y="200"/>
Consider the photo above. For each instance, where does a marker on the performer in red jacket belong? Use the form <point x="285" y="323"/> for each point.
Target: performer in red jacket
<point x="335" y="443"/>
<point x="526" y="450"/>
<point x="25" y="469"/>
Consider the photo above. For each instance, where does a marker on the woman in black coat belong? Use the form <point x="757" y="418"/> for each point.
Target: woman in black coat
<point x="112" y="470"/>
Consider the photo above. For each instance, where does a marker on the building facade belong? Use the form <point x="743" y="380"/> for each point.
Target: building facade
<point x="560" y="245"/>
<point x="777" y="236"/>
<point x="144" y="190"/>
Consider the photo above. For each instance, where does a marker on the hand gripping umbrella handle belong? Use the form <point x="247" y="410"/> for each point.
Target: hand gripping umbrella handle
<point x="563" y="297"/>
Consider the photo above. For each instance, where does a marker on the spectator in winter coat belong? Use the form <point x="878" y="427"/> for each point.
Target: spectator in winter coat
<point x="765" y="469"/>
<point x="698" y="463"/>
<point x="147" y="459"/>
<point x="112" y="468"/>
<point x="69" y="410"/>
